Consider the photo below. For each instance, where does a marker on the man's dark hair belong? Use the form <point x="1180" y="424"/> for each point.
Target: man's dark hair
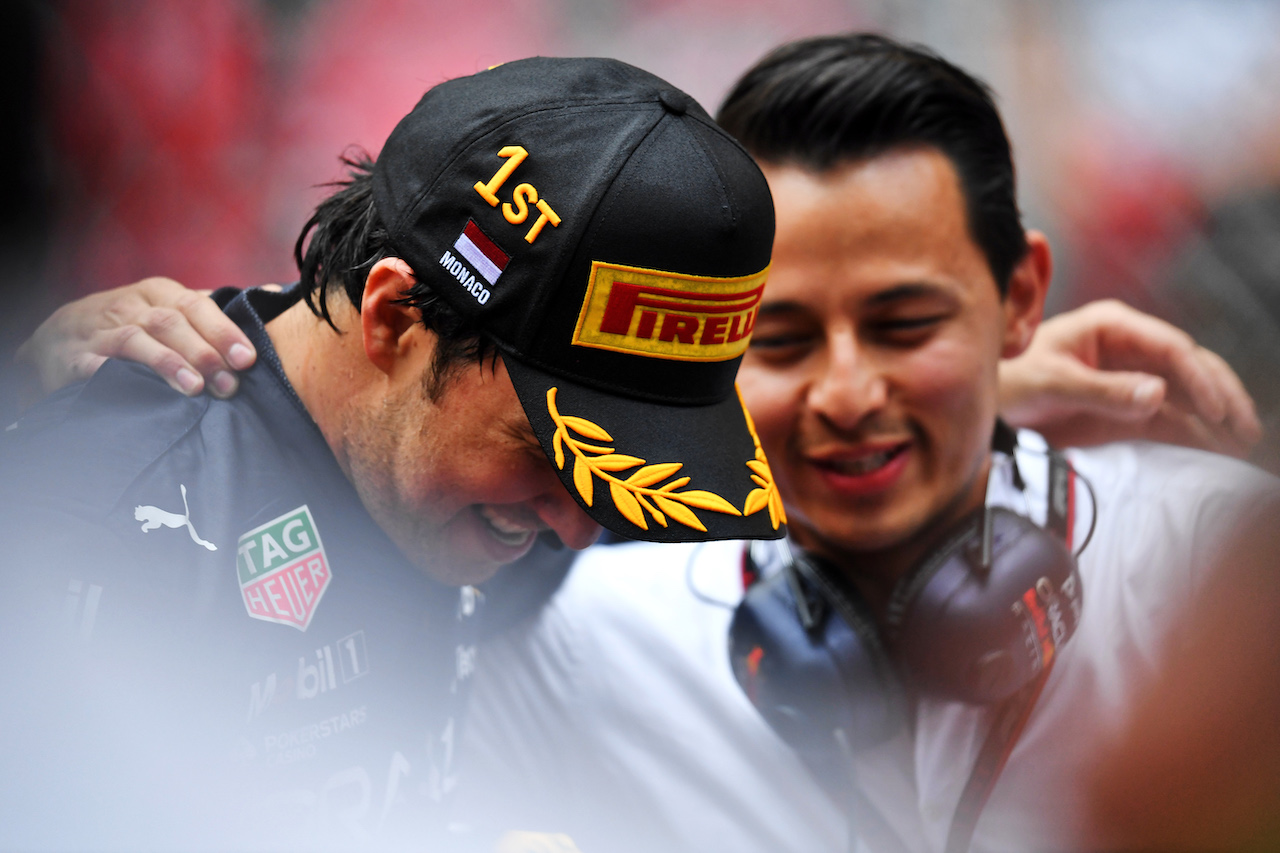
<point x="338" y="247"/>
<point x="824" y="101"/>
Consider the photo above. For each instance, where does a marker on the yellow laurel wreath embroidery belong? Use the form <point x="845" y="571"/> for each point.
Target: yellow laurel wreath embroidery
<point x="767" y="495"/>
<point x="637" y="493"/>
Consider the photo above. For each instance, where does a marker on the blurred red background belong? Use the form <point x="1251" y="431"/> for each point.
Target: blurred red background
<point x="191" y="139"/>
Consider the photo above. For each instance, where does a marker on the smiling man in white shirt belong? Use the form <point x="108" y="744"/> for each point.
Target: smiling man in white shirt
<point x="902" y="275"/>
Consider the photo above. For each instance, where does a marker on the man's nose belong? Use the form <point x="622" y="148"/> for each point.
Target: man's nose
<point x="849" y="387"/>
<point x="557" y="509"/>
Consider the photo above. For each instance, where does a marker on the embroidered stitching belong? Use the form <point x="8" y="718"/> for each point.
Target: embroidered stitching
<point x="636" y="494"/>
<point x="767" y="495"/>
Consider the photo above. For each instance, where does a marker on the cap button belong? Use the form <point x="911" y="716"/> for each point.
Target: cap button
<point x="675" y="102"/>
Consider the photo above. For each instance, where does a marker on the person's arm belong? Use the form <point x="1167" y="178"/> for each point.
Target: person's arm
<point x="1106" y="372"/>
<point x="1100" y="373"/>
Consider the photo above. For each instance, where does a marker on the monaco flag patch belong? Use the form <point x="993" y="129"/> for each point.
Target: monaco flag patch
<point x="483" y="254"/>
<point x="283" y="569"/>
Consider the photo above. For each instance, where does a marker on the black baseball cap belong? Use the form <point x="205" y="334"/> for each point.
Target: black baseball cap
<point x="597" y="225"/>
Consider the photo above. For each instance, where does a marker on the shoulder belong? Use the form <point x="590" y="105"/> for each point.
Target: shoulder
<point x="1190" y="488"/>
<point x="657" y="607"/>
<point x="649" y="619"/>
<point x="123" y="455"/>
<point x="96" y="437"/>
<point x="646" y="583"/>
<point x="1165" y="520"/>
<point x="120" y="392"/>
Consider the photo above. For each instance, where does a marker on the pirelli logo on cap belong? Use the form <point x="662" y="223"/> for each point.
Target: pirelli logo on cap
<point x="668" y="315"/>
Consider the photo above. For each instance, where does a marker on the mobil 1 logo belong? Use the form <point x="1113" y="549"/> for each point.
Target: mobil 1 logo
<point x="283" y="569"/>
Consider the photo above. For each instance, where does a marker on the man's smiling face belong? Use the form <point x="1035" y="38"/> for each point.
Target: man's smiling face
<point x="872" y="370"/>
<point x="460" y="482"/>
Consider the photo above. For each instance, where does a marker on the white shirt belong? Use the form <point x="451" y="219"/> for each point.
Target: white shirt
<point x="613" y="715"/>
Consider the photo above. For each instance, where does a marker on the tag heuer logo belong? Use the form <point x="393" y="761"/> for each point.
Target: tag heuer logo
<point x="283" y="569"/>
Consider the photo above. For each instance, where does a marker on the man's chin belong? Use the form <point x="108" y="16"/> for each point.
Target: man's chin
<point x="846" y="535"/>
<point x="453" y="574"/>
<point x="469" y="559"/>
<point x="454" y="567"/>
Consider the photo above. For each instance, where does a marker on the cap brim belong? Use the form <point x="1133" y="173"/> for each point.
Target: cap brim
<point x="654" y="472"/>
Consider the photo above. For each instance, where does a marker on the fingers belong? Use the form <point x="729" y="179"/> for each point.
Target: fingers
<point x="213" y="326"/>
<point x="84" y="365"/>
<point x="1131" y="340"/>
<point x="1168" y="425"/>
<point x="1200" y="383"/>
<point x="184" y="347"/>
<point x="1242" y="416"/>
<point x="1175" y="426"/>
<point x="139" y="343"/>
<point x="194" y="337"/>
<point x="1042" y="387"/>
<point x="1107" y="371"/>
<point x="180" y="334"/>
<point x="1120" y="395"/>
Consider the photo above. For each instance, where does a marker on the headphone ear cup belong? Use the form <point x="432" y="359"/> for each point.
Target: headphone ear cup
<point x="810" y="683"/>
<point x="961" y="633"/>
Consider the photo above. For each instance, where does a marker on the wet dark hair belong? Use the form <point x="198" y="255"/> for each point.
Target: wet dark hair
<point x="824" y="101"/>
<point x="338" y="247"/>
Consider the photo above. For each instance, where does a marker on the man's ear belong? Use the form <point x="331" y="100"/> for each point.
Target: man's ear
<point x="1024" y="301"/>
<point x="387" y="327"/>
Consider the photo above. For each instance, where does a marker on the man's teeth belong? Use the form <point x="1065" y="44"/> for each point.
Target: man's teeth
<point x="863" y="464"/>
<point x="504" y="530"/>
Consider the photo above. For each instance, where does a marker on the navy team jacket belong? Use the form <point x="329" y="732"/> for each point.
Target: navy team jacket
<point x="208" y="642"/>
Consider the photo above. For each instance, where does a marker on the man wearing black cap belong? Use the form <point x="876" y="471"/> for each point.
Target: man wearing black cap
<point x="233" y="623"/>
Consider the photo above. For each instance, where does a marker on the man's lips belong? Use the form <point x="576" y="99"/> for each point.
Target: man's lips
<point x="510" y="527"/>
<point x="863" y="469"/>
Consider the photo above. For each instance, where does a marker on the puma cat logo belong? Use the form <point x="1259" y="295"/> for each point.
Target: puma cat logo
<point x="152" y="517"/>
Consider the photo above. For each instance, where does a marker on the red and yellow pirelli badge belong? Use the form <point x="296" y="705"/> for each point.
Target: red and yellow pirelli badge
<point x="668" y="315"/>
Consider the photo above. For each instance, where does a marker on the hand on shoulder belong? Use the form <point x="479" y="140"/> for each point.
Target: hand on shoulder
<point x="1107" y="372"/>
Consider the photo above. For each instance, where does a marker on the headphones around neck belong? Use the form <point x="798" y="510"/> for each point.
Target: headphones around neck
<point x="974" y="621"/>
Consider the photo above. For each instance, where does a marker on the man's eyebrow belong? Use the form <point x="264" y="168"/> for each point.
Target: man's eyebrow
<point x="774" y="308"/>
<point x="907" y="290"/>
